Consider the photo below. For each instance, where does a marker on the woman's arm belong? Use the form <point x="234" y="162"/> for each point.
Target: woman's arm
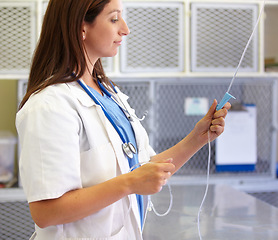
<point x="213" y="122"/>
<point x="80" y="203"/>
<point x="148" y="179"/>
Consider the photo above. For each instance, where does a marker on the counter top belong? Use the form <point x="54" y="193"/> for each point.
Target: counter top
<point x="227" y="214"/>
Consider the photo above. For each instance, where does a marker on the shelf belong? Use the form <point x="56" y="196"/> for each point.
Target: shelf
<point x="12" y="195"/>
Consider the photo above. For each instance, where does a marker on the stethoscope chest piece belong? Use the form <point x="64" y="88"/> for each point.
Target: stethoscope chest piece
<point x="129" y="149"/>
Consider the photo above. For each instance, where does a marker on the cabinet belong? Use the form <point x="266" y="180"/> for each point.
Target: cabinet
<point x="168" y="38"/>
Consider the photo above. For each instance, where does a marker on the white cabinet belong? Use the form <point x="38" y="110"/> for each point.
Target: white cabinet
<point x="168" y="38"/>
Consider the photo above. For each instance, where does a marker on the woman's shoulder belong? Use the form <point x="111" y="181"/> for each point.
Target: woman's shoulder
<point x="56" y="97"/>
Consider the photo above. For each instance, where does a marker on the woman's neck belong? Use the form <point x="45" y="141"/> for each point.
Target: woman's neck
<point x="88" y="79"/>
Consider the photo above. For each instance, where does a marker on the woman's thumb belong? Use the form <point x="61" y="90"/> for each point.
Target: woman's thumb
<point x="212" y="109"/>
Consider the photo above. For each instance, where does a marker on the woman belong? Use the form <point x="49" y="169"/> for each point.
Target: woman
<point x="74" y="170"/>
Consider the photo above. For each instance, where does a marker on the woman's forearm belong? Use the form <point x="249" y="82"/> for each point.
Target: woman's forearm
<point x="181" y="152"/>
<point x="80" y="203"/>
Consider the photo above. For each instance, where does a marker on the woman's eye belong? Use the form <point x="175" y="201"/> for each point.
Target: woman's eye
<point x="115" y="20"/>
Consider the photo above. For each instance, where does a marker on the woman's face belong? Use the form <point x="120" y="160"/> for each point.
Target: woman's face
<point x="103" y="37"/>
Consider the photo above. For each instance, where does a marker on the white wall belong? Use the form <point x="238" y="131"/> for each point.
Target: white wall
<point x="271" y="32"/>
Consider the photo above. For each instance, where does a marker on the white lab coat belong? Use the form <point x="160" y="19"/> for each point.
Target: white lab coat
<point x="67" y="143"/>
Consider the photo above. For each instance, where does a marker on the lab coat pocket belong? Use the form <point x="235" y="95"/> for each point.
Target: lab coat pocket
<point x="121" y="235"/>
<point x="98" y="165"/>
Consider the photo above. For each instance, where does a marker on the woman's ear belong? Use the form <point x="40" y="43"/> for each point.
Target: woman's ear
<point x="83" y="32"/>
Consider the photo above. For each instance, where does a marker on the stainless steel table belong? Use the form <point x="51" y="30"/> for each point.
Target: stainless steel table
<point x="227" y="214"/>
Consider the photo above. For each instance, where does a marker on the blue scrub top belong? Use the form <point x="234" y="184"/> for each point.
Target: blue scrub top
<point x="120" y="119"/>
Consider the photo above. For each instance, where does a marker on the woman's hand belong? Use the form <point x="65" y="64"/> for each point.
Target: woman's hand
<point x="214" y="122"/>
<point x="150" y="177"/>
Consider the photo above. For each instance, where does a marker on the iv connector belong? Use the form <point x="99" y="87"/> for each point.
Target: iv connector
<point x="225" y="99"/>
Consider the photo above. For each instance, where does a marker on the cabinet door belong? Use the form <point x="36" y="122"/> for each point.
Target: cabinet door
<point x="18" y="36"/>
<point x="219" y="34"/>
<point x="155" y="43"/>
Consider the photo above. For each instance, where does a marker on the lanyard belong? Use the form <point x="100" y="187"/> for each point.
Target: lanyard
<point x="128" y="148"/>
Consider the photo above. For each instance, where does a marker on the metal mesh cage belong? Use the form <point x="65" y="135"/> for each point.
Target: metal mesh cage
<point x="219" y="35"/>
<point x="167" y="123"/>
<point x="15" y="221"/>
<point x="170" y="123"/>
<point x="17" y="28"/>
<point x="156" y="39"/>
<point x="173" y="124"/>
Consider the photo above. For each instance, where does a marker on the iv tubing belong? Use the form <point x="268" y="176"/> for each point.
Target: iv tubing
<point x="150" y="203"/>
<point x="207" y="186"/>
<point x="209" y="147"/>
<point x="247" y="45"/>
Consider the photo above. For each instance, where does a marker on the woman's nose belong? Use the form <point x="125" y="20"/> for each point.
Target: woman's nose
<point x="124" y="30"/>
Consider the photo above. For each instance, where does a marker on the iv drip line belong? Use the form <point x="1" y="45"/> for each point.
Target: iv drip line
<point x="227" y="93"/>
<point x="150" y="206"/>
<point x="206" y="191"/>
<point x="247" y="45"/>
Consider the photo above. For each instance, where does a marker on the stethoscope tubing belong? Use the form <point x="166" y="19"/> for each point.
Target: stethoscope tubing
<point x="103" y="109"/>
<point x="114" y="99"/>
<point x="127" y="146"/>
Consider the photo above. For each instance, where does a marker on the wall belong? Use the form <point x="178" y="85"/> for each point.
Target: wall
<point x="8" y="108"/>
<point x="271" y="40"/>
<point x="8" y="105"/>
<point x="271" y="30"/>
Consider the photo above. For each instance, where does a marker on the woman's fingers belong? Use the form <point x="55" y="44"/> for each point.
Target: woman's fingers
<point x="219" y="121"/>
<point x="150" y="178"/>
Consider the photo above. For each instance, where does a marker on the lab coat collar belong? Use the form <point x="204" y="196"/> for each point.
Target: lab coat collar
<point x="80" y="94"/>
<point x="86" y="100"/>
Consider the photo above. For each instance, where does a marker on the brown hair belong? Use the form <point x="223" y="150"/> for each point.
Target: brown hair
<point x="60" y="49"/>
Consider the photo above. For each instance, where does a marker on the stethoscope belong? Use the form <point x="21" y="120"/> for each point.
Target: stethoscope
<point x="128" y="148"/>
